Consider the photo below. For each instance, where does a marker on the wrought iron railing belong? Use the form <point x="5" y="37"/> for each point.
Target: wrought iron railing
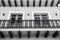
<point x="30" y="24"/>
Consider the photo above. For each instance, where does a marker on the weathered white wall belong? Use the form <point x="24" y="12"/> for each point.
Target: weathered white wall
<point x="29" y="10"/>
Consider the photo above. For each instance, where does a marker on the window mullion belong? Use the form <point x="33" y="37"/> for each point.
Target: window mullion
<point x="41" y="20"/>
<point x="16" y="17"/>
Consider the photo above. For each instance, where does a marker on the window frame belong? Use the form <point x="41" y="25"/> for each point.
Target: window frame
<point x="42" y="12"/>
<point x="15" y="12"/>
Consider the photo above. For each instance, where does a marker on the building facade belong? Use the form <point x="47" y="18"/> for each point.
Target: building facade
<point x="29" y="19"/>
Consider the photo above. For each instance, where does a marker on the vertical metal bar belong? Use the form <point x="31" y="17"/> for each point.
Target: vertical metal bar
<point x="46" y="34"/>
<point x="52" y="3"/>
<point x="6" y="24"/>
<point x="15" y="3"/>
<point x="28" y="24"/>
<point x="32" y="24"/>
<point x="58" y="23"/>
<point x="33" y="3"/>
<point x="37" y="34"/>
<point x="10" y="34"/>
<point x="27" y="3"/>
<point x="40" y="3"/>
<point x="19" y="34"/>
<point x="54" y="23"/>
<point x="3" y="3"/>
<point x="55" y="34"/>
<point x="1" y="23"/>
<point x="2" y="35"/>
<point x="21" y="3"/>
<point x="50" y="23"/>
<point x="28" y="34"/>
<point x="9" y="2"/>
<point x="23" y="23"/>
<point x="46" y="3"/>
<point x="41" y="23"/>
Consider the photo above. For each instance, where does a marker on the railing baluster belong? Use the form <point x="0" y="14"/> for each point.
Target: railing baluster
<point x="41" y="23"/>
<point x="32" y="24"/>
<point x="54" y="23"/>
<point x="14" y="26"/>
<point x="23" y="24"/>
<point x="51" y="24"/>
<point x="6" y="24"/>
<point x="28" y="24"/>
<point x="2" y="24"/>
<point x="58" y="23"/>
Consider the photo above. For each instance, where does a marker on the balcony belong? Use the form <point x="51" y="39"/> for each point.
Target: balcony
<point x="30" y="24"/>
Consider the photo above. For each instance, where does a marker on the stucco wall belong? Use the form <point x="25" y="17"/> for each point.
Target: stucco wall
<point x="30" y="10"/>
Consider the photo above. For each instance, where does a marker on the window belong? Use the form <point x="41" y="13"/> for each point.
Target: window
<point x="41" y="16"/>
<point x="19" y="18"/>
<point x="13" y="18"/>
<point x="37" y="22"/>
<point x="16" y="20"/>
<point x="44" y="17"/>
<point x="38" y="18"/>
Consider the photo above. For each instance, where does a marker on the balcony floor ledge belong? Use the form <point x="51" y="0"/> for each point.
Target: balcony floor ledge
<point x="31" y="29"/>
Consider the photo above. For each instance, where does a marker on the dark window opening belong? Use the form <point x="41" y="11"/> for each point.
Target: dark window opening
<point x="41" y="19"/>
<point x="16" y="20"/>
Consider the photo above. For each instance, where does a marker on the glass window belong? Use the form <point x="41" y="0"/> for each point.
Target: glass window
<point x="17" y="17"/>
<point x="40" y="17"/>
<point x="13" y="17"/>
<point x="16" y="20"/>
<point x="44" y="17"/>
<point x="37" y="22"/>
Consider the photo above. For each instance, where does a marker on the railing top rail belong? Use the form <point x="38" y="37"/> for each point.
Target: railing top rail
<point x="34" y="20"/>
